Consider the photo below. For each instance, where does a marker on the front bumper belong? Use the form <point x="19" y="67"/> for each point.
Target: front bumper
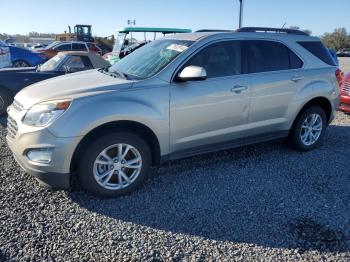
<point x="55" y="174"/>
<point x="344" y="103"/>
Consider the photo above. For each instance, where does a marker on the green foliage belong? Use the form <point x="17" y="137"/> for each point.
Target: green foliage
<point x="338" y="40"/>
<point x="309" y="32"/>
<point x="25" y="38"/>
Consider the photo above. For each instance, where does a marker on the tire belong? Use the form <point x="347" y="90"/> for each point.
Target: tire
<point x="92" y="175"/>
<point x="298" y="137"/>
<point x="5" y="101"/>
<point x="20" y="63"/>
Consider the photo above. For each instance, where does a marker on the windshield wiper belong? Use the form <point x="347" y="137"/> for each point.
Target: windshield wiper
<point x="121" y="74"/>
<point x="114" y="73"/>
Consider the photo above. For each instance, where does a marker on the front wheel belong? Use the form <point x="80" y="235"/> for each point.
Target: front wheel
<point x="114" y="164"/>
<point x="308" y="129"/>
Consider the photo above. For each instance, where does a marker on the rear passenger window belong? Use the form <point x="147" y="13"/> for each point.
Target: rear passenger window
<point x="87" y="62"/>
<point x="79" y="47"/>
<point x="65" y="47"/>
<point x="318" y="50"/>
<point x="265" y="56"/>
<point x="219" y="59"/>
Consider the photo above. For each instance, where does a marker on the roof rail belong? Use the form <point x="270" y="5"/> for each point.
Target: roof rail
<point x="212" y="30"/>
<point x="271" y="30"/>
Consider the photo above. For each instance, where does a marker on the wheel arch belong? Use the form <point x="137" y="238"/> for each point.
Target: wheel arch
<point x="320" y="101"/>
<point x="120" y="125"/>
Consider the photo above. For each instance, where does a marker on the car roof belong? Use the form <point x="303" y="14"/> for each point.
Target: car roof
<point x="70" y="42"/>
<point x="96" y="60"/>
<point x="227" y="34"/>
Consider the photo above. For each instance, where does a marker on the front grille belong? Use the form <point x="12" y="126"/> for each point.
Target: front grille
<point x="12" y="127"/>
<point x="17" y="106"/>
<point x="346" y="88"/>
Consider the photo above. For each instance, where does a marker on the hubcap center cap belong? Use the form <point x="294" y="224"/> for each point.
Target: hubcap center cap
<point x="117" y="165"/>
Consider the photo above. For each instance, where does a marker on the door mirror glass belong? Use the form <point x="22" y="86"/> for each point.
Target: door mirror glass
<point x="192" y="73"/>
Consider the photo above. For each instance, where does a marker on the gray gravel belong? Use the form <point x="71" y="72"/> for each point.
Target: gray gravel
<point x="259" y="203"/>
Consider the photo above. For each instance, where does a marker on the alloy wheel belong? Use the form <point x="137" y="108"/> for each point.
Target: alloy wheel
<point x="117" y="166"/>
<point x="311" y="129"/>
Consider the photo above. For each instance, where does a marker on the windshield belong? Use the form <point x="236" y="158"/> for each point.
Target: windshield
<point x="119" y="42"/>
<point x="51" y="65"/>
<point x="151" y="58"/>
<point x="52" y="45"/>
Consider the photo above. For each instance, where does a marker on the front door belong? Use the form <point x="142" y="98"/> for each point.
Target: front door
<point x="213" y="111"/>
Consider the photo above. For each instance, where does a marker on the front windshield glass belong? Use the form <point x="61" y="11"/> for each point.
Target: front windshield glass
<point x="119" y="42"/>
<point x="52" y="64"/>
<point x="52" y="45"/>
<point x="151" y="58"/>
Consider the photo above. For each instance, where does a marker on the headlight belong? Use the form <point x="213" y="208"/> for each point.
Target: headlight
<point x="45" y="113"/>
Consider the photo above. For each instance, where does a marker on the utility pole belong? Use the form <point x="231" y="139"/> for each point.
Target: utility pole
<point x="240" y="13"/>
<point x="131" y="23"/>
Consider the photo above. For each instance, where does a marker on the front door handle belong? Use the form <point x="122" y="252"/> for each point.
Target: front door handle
<point x="297" y="78"/>
<point x="238" y="88"/>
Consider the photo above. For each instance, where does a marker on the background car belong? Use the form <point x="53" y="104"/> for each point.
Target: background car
<point x="5" y="57"/>
<point x="343" y="53"/>
<point x="21" y="57"/>
<point x="94" y="48"/>
<point x="13" y="80"/>
<point x="345" y="94"/>
<point x="37" y="46"/>
<point x="57" y="46"/>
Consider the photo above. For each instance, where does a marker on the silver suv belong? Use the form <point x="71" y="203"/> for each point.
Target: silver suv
<point x="175" y="97"/>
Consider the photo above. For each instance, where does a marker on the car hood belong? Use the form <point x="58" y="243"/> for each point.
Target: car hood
<point x="72" y="86"/>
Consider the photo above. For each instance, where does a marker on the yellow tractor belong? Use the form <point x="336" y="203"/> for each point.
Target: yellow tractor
<point x="84" y="33"/>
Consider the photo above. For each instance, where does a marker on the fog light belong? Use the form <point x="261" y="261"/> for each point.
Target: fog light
<point x="41" y="155"/>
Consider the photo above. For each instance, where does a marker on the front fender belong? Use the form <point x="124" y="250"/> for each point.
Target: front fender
<point x="149" y="106"/>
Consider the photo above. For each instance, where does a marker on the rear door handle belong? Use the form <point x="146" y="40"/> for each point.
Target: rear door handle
<point x="238" y="88"/>
<point x="297" y="78"/>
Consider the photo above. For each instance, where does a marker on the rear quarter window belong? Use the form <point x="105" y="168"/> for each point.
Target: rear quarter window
<point x="268" y="56"/>
<point x="317" y="49"/>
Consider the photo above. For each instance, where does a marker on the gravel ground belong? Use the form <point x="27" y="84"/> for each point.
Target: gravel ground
<point x="259" y="203"/>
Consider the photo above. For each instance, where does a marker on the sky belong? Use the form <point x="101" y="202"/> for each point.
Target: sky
<point x="106" y="16"/>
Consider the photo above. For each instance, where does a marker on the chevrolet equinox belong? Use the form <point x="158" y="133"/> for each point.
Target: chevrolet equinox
<point x="175" y="97"/>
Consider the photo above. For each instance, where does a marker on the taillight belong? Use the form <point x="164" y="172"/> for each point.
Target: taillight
<point x="340" y="76"/>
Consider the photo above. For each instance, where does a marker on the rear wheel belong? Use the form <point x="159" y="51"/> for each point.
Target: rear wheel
<point x="114" y="164"/>
<point x="5" y="101"/>
<point x="20" y="63"/>
<point x="308" y="129"/>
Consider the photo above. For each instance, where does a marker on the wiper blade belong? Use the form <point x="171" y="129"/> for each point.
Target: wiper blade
<point x="121" y="74"/>
<point x="106" y="71"/>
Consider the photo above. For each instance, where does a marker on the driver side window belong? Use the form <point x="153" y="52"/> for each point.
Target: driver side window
<point x="219" y="59"/>
<point x="74" y="64"/>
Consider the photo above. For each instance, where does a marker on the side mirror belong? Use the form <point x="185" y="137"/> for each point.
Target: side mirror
<point x="192" y="73"/>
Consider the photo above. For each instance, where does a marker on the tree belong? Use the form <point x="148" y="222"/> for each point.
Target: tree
<point x="338" y="40"/>
<point x="307" y="31"/>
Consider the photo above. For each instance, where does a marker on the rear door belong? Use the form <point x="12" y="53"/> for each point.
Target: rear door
<point x="208" y="113"/>
<point x="276" y="75"/>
